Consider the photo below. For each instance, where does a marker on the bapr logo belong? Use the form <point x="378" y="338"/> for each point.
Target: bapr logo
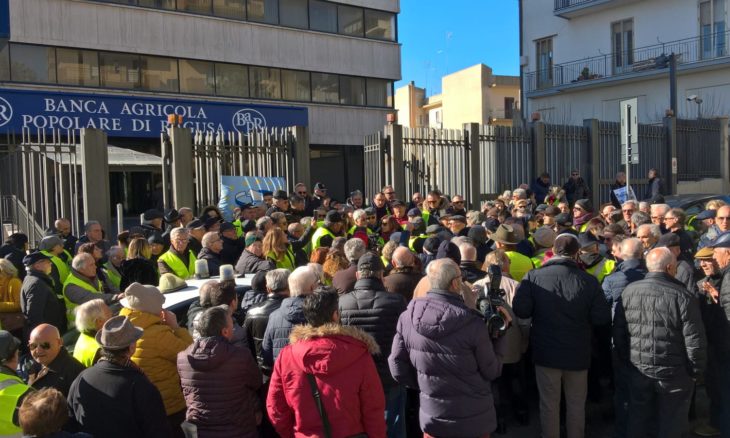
<point x="6" y="112"/>
<point x="247" y="119"/>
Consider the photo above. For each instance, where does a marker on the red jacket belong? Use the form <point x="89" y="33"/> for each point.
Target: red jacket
<point x="352" y="395"/>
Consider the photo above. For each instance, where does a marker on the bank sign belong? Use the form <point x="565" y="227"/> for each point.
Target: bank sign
<point x="124" y="116"/>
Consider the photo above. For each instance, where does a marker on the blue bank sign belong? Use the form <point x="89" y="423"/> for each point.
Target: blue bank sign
<point x="124" y="116"/>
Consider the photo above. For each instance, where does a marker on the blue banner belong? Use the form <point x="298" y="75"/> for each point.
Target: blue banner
<point x="4" y="18"/>
<point x="128" y="116"/>
<point x="240" y="190"/>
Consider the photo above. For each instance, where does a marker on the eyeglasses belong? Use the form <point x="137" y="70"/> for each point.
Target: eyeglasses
<point x="457" y="202"/>
<point x="44" y="345"/>
<point x="301" y="193"/>
<point x="575" y="174"/>
<point x="669" y="218"/>
<point x="628" y="210"/>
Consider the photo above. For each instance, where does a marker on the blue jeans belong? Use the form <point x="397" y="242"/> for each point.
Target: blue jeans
<point x="395" y="402"/>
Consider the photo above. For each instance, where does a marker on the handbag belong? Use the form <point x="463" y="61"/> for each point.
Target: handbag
<point x="322" y="413"/>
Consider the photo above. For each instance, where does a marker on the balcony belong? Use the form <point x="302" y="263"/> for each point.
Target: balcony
<point x="690" y="52"/>
<point x="575" y="8"/>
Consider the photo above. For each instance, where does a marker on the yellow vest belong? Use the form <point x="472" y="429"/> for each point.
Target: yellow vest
<point x="286" y="261"/>
<point x="113" y="274"/>
<point x="61" y="266"/>
<point x="12" y="389"/>
<point x="85" y="350"/>
<point x="318" y="235"/>
<point x="70" y="306"/>
<point x="519" y="265"/>
<point x="239" y="227"/>
<point x="601" y="269"/>
<point x="177" y="266"/>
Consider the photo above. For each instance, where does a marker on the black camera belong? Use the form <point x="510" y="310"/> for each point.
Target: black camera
<point x="489" y="301"/>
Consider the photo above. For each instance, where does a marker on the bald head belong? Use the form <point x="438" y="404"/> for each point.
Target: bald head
<point x="45" y="343"/>
<point x="468" y="253"/>
<point x="661" y="260"/>
<point x="631" y="249"/>
<point x="402" y="257"/>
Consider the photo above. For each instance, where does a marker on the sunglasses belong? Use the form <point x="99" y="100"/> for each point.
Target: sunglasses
<point x="458" y="202"/>
<point x="576" y="174"/>
<point x="372" y="217"/>
<point x="301" y="193"/>
<point x="44" y="345"/>
<point x="389" y="193"/>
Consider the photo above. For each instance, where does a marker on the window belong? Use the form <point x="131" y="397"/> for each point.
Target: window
<point x="352" y="90"/>
<point x="265" y="83"/>
<point x="325" y="88"/>
<point x="159" y="74"/>
<point x="159" y="4"/>
<point x="196" y="6"/>
<point x="712" y="29"/>
<point x="230" y="9"/>
<point x="509" y="107"/>
<point x="322" y="16"/>
<point x="294" y="13"/>
<point x="295" y="85"/>
<point x="544" y="58"/>
<point x="4" y="60"/>
<point x="377" y="92"/>
<point x="264" y="11"/>
<point x="231" y="80"/>
<point x="77" y="67"/>
<point x="119" y="70"/>
<point x="32" y="63"/>
<point x="350" y="20"/>
<point x="197" y="77"/>
<point x="379" y="25"/>
<point x="623" y="45"/>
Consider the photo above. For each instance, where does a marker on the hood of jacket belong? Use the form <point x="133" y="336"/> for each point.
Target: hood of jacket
<point x="439" y="314"/>
<point x="292" y="309"/>
<point x="140" y="319"/>
<point x="207" y="354"/>
<point x="329" y="348"/>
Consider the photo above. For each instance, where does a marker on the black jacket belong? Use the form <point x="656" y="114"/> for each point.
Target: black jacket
<point x="111" y="400"/>
<point x="564" y="303"/>
<point x="255" y="323"/>
<point x="213" y="259"/>
<point x="138" y="270"/>
<point x="470" y="272"/>
<point x="39" y="303"/>
<point x="655" y="191"/>
<point x="232" y="249"/>
<point x="59" y="374"/>
<point x="724" y="316"/>
<point x="628" y="271"/>
<point x="249" y="263"/>
<point x="575" y="190"/>
<point x="370" y="308"/>
<point x="659" y="325"/>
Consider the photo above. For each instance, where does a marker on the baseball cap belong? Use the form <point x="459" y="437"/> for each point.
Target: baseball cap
<point x="250" y="239"/>
<point x="707" y="214"/>
<point x="370" y="262"/>
<point x="722" y="241"/>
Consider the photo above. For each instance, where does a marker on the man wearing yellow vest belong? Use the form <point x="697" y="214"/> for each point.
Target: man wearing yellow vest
<point x="178" y="260"/>
<point x="325" y="235"/>
<point x="505" y="238"/>
<point x="83" y="285"/>
<point x="90" y="318"/>
<point x="115" y="257"/>
<point x="12" y="388"/>
<point x="544" y="238"/>
<point x="52" y="246"/>
<point x="595" y="264"/>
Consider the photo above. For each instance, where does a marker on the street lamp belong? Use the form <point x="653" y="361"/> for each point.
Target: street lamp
<point x="696" y="99"/>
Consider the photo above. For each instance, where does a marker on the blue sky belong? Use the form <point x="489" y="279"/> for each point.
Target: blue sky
<point x="440" y="37"/>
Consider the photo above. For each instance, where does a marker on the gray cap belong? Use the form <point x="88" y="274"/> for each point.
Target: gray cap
<point x="8" y="345"/>
<point x="50" y="242"/>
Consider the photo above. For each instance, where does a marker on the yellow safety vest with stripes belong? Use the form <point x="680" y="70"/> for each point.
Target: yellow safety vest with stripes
<point x="70" y="306"/>
<point x="113" y="274"/>
<point x="86" y="349"/>
<point x="318" y="235"/>
<point x="177" y="266"/>
<point x="12" y="390"/>
<point x="519" y="265"/>
<point x="61" y="266"/>
<point x="601" y="269"/>
<point x="286" y="261"/>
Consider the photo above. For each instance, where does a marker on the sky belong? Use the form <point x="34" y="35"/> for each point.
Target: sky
<point x="440" y="37"/>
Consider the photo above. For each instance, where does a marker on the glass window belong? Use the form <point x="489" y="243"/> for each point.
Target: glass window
<point x="196" y="6"/>
<point x="295" y="85"/>
<point x="230" y="9"/>
<point x="231" y="80"/>
<point x="77" y="67"/>
<point x="159" y="4"/>
<point x="197" y="77"/>
<point x="265" y="83"/>
<point x="378" y="91"/>
<point x="623" y="45"/>
<point x="264" y="11"/>
<point x="32" y="63"/>
<point x="294" y="13"/>
<point x="325" y="88"/>
<point x="352" y="90"/>
<point x="159" y="74"/>
<point x="4" y="60"/>
<point x="349" y="20"/>
<point x="380" y="25"/>
<point x="544" y="49"/>
<point x="119" y="70"/>
<point x="322" y="16"/>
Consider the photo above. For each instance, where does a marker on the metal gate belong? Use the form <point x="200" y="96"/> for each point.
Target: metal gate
<point x="698" y="149"/>
<point x="435" y="159"/>
<point x="505" y="158"/>
<point x="376" y="159"/>
<point x="566" y="149"/>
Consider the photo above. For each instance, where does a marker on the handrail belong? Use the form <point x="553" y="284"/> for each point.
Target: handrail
<point x="21" y="219"/>
<point x="565" y="4"/>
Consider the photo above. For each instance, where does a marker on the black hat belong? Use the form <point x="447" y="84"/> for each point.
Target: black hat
<point x="433" y="229"/>
<point x="267" y="193"/>
<point x="541" y="207"/>
<point x="210" y="222"/>
<point x="585" y="204"/>
<point x="226" y="226"/>
<point x="564" y="219"/>
<point x="137" y="231"/>
<point x="244" y="205"/>
<point x="171" y="215"/>
<point x="667" y="240"/>
<point x="195" y="223"/>
<point x="707" y="214"/>
<point x="281" y="195"/>
<point x="587" y="240"/>
<point x="370" y="211"/>
<point x="478" y="234"/>
<point x="722" y="241"/>
<point x="156" y="238"/>
<point x="551" y="210"/>
<point x="152" y="214"/>
<point x="8" y="345"/>
<point x="458" y="218"/>
<point x="397" y="203"/>
<point x="431" y="245"/>
<point x="566" y="245"/>
<point x="34" y="257"/>
<point x="333" y="216"/>
<point x="319" y="186"/>
<point x="370" y="262"/>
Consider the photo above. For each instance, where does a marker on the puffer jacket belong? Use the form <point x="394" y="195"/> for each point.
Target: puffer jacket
<point x="659" y="325"/>
<point x="370" y="308"/>
<point x="280" y="324"/>
<point x="339" y="358"/>
<point x="156" y="355"/>
<point x="443" y="349"/>
<point x="249" y="263"/>
<point x="219" y="381"/>
<point x="626" y="272"/>
<point x="724" y="320"/>
<point x="140" y="270"/>
<point x="564" y="303"/>
<point x="257" y="319"/>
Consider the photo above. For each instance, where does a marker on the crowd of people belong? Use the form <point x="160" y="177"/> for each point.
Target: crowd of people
<point x="372" y="317"/>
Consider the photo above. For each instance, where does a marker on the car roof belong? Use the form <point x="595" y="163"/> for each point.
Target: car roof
<point x="679" y="200"/>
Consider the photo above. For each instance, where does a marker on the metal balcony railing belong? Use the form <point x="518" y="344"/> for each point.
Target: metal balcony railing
<point x="655" y="57"/>
<point x="565" y="4"/>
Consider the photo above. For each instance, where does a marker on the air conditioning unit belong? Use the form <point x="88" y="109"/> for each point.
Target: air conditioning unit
<point x="524" y="60"/>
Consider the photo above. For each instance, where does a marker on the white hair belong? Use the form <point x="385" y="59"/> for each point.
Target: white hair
<point x="654" y="230"/>
<point x="88" y="313"/>
<point x="302" y="281"/>
<point x="659" y="259"/>
<point x="468" y="252"/>
<point x="359" y="214"/>
<point x="277" y="279"/>
<point x="442" y="272"/>
<point x="660" y="209"/>
<point x="82" y="260"/>
<point x="631" y="249"/>
<point x="354" y="249"/>
<point x="209" y="238"/>
<point x="179" y="231"/>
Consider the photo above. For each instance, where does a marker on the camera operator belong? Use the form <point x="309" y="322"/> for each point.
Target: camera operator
<point x="442" y="348"/>
<point x="564" y="303"/>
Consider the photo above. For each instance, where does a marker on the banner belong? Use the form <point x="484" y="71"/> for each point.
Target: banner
<point x="238" y="190"/>
<point x="623" y="196"/>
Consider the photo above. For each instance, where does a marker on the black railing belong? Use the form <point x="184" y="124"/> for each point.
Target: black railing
<point x="654" y="57"/>
<point x="565" y="4"/>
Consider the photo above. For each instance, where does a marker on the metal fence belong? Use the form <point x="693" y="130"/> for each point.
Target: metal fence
<point x="376" y="157"/>
<point x="566" y="149"/>
<point x="698" y="149"/>
<point x="505" y="158"/>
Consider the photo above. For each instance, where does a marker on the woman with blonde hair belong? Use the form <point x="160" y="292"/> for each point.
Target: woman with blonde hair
<point x="138" y="267"/>
<point x="10" y="286"/>
<point x="278" y="249"/>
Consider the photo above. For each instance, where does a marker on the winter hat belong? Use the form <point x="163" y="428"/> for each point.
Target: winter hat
<point x="544" y="237"/>
<point x="143" y="298"/>
<point x="50" y="242"/>
<point x="118" y="333"/>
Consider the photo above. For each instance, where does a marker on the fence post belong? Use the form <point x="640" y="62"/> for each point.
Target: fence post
<point x="594" y="150"/>
<point x="301" y="157"/>
<point x="397" y="170"/>
<point x="670" y="124"/>
<point x="94" y="157"/>
<point x="725" y="153"/>
<point x="473" y="197"/>
<point x="183" y="190"/>
<point x="538" y="143"/>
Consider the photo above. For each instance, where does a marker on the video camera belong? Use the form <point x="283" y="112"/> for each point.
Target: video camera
<point x="489" y="301"/>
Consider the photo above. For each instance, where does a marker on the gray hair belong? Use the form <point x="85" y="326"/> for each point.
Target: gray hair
<point x="7" y="268"/>
<point x="631" y="249"/>
<point x="468" y="252"/>
<point x="659" y="259"/>
<point x="462" y="240"/>
<point x="82" y="260"/>
<point x="653" y="229"/>
<point x="359" y="214"/>
<point x="354" y="249"/>
<point x="209" y="238"/>
<point x="442" y="272"/>
<point x="661" y="209"/>
<point x="116" y="249"/>
<point x="262" y="222"/>
<point x="179" y="231"/>
<point x="277" y="280"/>
<point x="88" y="313"/>
<point x="302" y="281"/>
<point x="306" y="221"/>
<point x="630" y="201"/>
<point x="318" y="271"/>
<point x="88" y="225"/>
<point x="522" y="193"/>
<point x="640" y="218"/>
<point x="643" y="205"/>
<point x="212" y="321"/>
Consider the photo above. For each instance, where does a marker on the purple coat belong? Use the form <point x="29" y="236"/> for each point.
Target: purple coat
<point x="219" y="381"/>
<point x="443" y="348"/>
